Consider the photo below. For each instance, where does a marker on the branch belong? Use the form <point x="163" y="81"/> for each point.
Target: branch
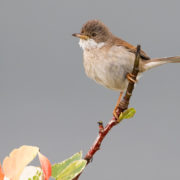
<point x="122" y="106"/>
<point x="125" y="102"/>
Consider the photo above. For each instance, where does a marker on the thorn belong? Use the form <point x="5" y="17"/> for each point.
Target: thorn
<point x="100" y="123"/>
<point x="101" y="127"/>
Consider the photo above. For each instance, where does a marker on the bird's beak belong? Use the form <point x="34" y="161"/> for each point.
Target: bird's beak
<point x="81" y="36"/>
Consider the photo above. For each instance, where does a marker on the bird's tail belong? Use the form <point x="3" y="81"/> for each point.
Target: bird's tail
<point x="159" y="61"/>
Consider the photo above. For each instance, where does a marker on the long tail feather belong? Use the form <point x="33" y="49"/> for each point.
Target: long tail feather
<point x="159" y="61"/>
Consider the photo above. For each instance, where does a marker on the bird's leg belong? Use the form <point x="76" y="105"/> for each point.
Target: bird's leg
<point x="131" y="77"/>
<point x="117" y="106"/>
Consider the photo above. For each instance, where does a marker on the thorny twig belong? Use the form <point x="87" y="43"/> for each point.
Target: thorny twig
<point x="122" y="106"/>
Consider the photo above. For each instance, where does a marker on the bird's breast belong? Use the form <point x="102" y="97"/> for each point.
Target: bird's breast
<point x="109" y="66"/>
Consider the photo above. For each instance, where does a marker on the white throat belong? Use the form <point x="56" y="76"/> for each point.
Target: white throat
<point x="90" y="44"/>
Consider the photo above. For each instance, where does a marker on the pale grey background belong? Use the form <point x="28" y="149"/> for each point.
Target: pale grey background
<point x="46" y="99"/>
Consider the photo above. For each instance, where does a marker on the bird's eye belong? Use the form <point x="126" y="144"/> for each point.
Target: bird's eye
<point x="94" y="34"/>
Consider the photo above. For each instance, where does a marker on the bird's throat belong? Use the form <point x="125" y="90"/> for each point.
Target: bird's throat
<point x="90" y="44"/>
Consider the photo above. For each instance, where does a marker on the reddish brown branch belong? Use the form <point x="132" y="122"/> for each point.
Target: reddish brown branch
<point x="102" y="133"/>
<point x="122" y="106"/>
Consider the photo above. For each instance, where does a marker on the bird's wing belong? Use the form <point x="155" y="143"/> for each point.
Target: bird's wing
<point x="131" y="48"/>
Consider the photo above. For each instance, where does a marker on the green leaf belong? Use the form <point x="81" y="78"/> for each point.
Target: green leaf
<point x="72" y="170"/>
<point x="129" y="113"/>
<point x="35" y="177"/>
<point x="59" y="167"/>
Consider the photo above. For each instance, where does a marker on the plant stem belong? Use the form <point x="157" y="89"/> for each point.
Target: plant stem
<point x="122" y="106"/>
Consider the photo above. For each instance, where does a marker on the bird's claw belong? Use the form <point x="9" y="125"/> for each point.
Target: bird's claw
<point x="115" y="114"/>
<point x="131" y="78"/>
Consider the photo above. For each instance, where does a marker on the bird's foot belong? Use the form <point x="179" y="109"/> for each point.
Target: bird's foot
<point x="131" y="78"/>
<point x="115" y="112"/>
<point x="116" y="109"/>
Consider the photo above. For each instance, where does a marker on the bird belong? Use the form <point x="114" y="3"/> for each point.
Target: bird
<point x="109" y="60"/>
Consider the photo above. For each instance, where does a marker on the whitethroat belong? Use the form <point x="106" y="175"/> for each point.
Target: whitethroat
<point x="109" y="60"/>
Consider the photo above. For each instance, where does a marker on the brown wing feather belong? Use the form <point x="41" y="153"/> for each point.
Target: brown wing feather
<point x="131" y="48"/>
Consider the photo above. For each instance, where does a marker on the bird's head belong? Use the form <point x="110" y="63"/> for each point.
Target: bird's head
<point x="94" y="34"/>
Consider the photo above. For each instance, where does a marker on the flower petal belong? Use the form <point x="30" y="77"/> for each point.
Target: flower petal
<point x="17" y="160"/>
<point x="1" y="173"/>
<point x="32" y="172"/>
<point x="45" y="165"/>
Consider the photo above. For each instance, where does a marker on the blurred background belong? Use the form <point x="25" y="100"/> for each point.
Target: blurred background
<point x="46" y="99"/>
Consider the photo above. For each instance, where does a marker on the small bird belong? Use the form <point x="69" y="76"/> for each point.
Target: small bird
<point x="109" y="60"/>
